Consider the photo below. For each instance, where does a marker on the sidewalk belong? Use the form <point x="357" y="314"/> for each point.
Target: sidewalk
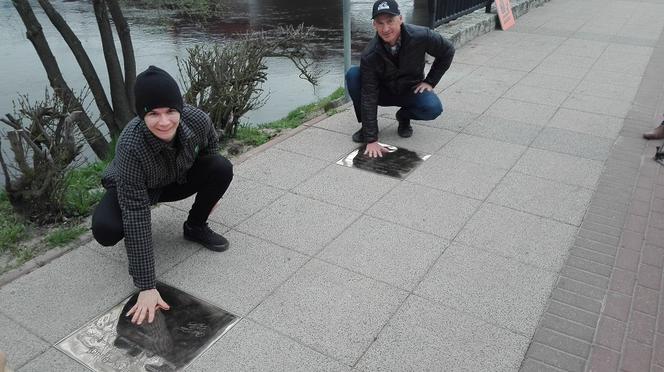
<point x="531" y="239"/>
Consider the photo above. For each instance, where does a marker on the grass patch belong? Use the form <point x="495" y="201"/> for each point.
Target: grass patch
<point x="83" y="189"/>
<point x="64" y="235"/>
<point x="12" y="229"/>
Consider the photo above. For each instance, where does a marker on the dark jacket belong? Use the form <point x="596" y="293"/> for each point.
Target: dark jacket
<point x="380" y="72"/>
<point x="142" y="166"/>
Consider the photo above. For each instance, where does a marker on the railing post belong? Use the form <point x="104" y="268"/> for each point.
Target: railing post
<point x="346" y="20"/>
<point x="432" y="13"/>
<point x="488" y="6"/>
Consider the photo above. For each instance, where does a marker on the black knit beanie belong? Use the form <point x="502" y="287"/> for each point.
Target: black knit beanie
<point x="155" y="88"/>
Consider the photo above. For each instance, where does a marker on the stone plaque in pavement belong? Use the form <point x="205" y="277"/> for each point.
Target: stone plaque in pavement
<point x="174" y="339"/>
<point x="397" y="162"/>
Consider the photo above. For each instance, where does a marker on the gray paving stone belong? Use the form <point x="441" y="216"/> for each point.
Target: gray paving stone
<point x="299" y="223"/>
<point x="319" y="143"/>
<point x="542" y="197"/>
<point x="555" y="357"/>
<point x="573" y="143"/>
<point x="343" y="122"/>
<point x="550" y="82"/>
<point x="567" y="327"/>
<point x="583" y="48"/>
<point x="456" y="72"/>
<point x="384" y="251"/>
<point x="425" y="139"/>
<point x="53" y="360"/>
<point x="279" y="168"/>
<point x="478" y="150"/>
<point x="74" y="287"/>
<point x="564" y="70"/>
<point x="238" y="279"/>
<point x="514" y="60"/>
<point x="538" y="95"/>
<point x="601" y="76"/>
<point x="458" y="176"/>
<point x="501" y="129"/>
<point x="169" y="246"/>
<point x="588" y="123"/>
<point x="332" y="310"/>
<point x="573" y="313"/>
<point x="478" y="85"/>
<point x="531" y="113"/>
<point x="452" y="120"/>
<point x="243" y="198"/>
<point x="562" y="342"/>
<point x="248" y="346"/>
<point x="532" y="365"/>
<point x="606" y="90"/>
<point x="347" y="187"/>
<point x="18" y="343"/>
<point x="425" y="209"/>
<point x="521" y="236"/>
<point x="498" y="74"/>
<point x="468" y="102"/>
<point x="493" y="288"/>
<point x="426" y="336"/>
<point x="559" y="167"/>
<point x="597" y="105"/>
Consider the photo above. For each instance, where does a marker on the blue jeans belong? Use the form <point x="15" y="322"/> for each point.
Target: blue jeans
<point x="416" y="106"/>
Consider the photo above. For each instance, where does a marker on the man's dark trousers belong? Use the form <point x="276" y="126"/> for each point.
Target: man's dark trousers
<point x="208" y="178"/>
<point x="416" y="106"/>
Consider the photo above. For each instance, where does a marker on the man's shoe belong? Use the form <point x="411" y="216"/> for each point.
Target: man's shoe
<point x="404" y="130"/>
<point x="655" y="134"/>
<point x="358" y="136"/>
<point x="205" y="236"/>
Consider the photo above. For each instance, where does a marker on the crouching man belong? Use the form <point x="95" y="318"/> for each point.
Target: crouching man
<point x="168" y="152"/>
<point x="391" y="73"/>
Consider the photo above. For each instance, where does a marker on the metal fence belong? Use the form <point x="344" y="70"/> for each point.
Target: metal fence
<point x="443" y="11"/>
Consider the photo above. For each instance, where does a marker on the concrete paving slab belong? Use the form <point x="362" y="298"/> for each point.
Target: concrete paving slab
<point x="507" y="76"/>
<point x="319" y="143"/>
<point x="330" y="309"/>
<point x="559" y="167"/>
<point x="518" y="235"/>
<point x="531" y="113"/>
<point x="562" y="69"/>
<point x="74" y="288"/>
<point x="425" y="209"/>
<point x="457" y="176"/>
<point x="248" y="346"/>
<point x="630" y="67"/>
<point x="493" y="288"/>
<point x="598" y="105"/>
<point x="347" y="187"/>
<point x="468" y="102"/>
<point x="299" y="223"/>
<point x="279" y="168"/>
<point x="170" y="247"/>
<point x="573" y="143"/>
<point x="582" y="48"/>
<point x="456" y="72"/>
<point x="550" y="82"/>
<point x="452" y="120"/>
<point x="604" y="90"/>
<point x="531" y="94"/>
<point x="483" y="151"/>
<point x="53" y="360"/>
<point x="425" y="336"/>
<point x="586" y="122"/>
<point x="480" y="86"/>
<point x="425" y="140"/>
<point x="239" y="279"/>
<point x="474" y="54"/>
<point x="542" y="197"/>
<point x="601" y="76"/>
<point x="18" y="343"/>
<point x="501" y="129"/>
<point x="512" y="62"/>
<point x="242" y="199"/>
<point x="385" y="251"/>
<point x="343" y="122"/>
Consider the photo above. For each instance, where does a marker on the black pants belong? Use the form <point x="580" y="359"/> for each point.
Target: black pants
<point x="208" y="178"/>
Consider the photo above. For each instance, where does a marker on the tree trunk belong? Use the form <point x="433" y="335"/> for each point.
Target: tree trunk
<point x="124" y="35"/>
<point x="89" y="72"/>
<point x="35" y="34"/>
<point x="121" y="108"/>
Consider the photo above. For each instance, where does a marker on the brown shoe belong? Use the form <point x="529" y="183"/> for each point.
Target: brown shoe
<point x="655" y="134"/>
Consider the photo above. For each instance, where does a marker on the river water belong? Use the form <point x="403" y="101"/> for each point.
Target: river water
<point x="159" y="37"/>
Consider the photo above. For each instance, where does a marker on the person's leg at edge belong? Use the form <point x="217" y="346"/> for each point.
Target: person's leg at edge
<point x="107" y="220"/>
<point x="657" y="133"/>
<point x="209" y="178"/>
<point x="354" y="86"/>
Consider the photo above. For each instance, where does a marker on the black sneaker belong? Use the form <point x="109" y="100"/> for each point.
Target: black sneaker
<point x="358" y="136"/>
<point x="205" y="236"/>
<point x="404" y="130"/>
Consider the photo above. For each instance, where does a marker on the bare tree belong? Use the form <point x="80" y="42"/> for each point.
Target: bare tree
<point x="116" y="113"/>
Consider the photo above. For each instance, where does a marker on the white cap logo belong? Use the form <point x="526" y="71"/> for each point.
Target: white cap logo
<point x="383" y="6"/>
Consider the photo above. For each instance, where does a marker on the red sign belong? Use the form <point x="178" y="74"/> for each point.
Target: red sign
<point x="504" y="10"/>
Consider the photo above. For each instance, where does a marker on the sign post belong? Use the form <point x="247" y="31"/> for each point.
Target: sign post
<point x="504" y="10"/>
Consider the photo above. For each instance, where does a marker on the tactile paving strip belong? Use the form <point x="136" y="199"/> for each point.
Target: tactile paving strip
<point x="396" y="162"/>
<point x="170" y="343"/>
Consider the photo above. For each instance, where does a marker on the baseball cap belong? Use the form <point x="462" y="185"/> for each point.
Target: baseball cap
<point x="385" y="6"/>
